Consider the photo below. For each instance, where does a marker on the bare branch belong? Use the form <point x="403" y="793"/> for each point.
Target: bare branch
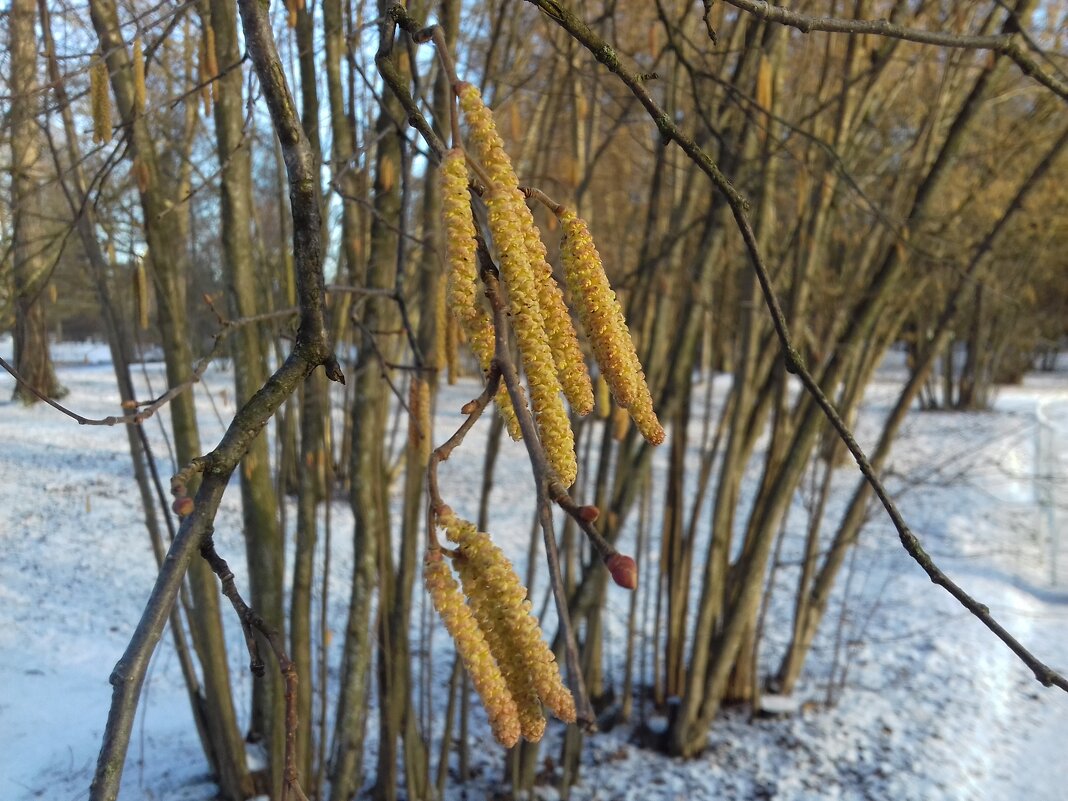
<point x="153" y="406"/>
<point x="250" y="621"/>
<point x="1006" y="44"/>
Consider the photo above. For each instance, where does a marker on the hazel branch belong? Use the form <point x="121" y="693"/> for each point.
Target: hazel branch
<point x="1006" y="44"/>
<point x="149" y="408"/>
<point x="473" y="409"/>
<point x="310" y="351"/>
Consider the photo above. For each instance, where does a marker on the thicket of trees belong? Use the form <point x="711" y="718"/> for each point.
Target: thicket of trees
<point x="166" y="188"/>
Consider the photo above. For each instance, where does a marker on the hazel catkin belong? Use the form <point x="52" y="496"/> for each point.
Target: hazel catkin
<point x="100" y="101"/>
<point x="507" y="213"/>
<point x="602" y="318"/>
<point x="500" y="602"/>
<point x="461" y="257"/>
<point x="472" y="647"/>
<point x="139" y="77"/>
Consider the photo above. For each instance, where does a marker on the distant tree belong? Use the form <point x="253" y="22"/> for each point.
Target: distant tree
<point x="33" y="247"/>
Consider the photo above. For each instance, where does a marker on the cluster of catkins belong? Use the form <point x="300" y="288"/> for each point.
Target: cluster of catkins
<point x="548" y="344"/>
<point x="499" y="641"/>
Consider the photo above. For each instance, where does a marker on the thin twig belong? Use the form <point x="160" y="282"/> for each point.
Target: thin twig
<point x="152" y="406"/>
<point x="1006" y="44"/>
<point x="250" y="621"/>
<point x="473" y="409"/>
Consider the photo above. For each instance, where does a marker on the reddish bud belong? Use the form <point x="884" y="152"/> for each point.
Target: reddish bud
<point x="183" y="506"/>
<point x="129" y="405"/>
<point x="624" y="571"/>
<point x="589" y="513"/>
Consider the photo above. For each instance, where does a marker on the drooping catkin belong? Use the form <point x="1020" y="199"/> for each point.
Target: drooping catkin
<point x="140" y="91"/>
<point x="602" y="318"/>
<point x="211" y="63"/>
<point x="571" y="367"/>
<point x="203" y="75"/>
<point x="140" y="282"/>
<point x="452" y="348"/>
<point x="460" y="246"/>
<point x="500" y="604"/>
<point x="642" y="412"/>
<point x="604" y="398"/>
<point x="100" y="100"/>
<point x="419" y="430"/>
<point x="472" y="647"/>
<point x="141" y="174"/>
<point x="486" y="609"/>
<point x="598" y="309"/>
<point x="506" y="211"/>
<point x="439" y="349"/>
<point x="461" y="251"/>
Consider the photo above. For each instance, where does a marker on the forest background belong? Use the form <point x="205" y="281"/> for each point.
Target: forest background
<point x="893" y="184"/>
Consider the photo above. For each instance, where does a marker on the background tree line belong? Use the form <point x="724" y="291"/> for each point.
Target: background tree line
<point x="900" y="193"/>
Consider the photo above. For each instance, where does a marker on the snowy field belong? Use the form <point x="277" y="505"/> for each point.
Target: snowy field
<point x="927" y="704"/>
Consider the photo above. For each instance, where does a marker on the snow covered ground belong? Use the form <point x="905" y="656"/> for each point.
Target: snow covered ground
<point x="931" y="706"/>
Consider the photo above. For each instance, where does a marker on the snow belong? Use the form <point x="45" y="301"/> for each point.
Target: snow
<point x="931" y="705"/>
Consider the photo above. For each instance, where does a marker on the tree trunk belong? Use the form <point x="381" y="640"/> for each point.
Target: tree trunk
<point x="263" y="540"/>
<point x="32" y="246"/>
<point x="167" y="256"/>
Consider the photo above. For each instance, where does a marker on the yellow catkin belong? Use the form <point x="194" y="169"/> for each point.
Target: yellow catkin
<point x="419" y="430"/>
<point x="211" y="63"/>
<point x="487" y="611"/>
<point x="461" y="256"/>
<point x="140" y="91"/>
<point x="642" y="412"/>
<point x="472" y="647"/>
<point x="141" y="175"/>
<point x="460" y="246"/>
<point x="452" y="348"/>
<point x="140" y="281"/>
<point x="203" y="76"/>
<point x="506" y="206"/>
<point x="602" y="318"/>
<point x="604" y="398"/>
<point x="439" y="349"/>
<point x="500" y="605"/>
<point x="598" y="309"/>
<point x="100" y="100"/>
<point x="571" y="367"/>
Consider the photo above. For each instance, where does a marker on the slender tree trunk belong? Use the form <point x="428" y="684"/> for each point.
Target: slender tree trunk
<point x="118" y="338"/>
<point x="167" y="256"/>
<point x="32" y="248"/>
<point x="264" y="547"/>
